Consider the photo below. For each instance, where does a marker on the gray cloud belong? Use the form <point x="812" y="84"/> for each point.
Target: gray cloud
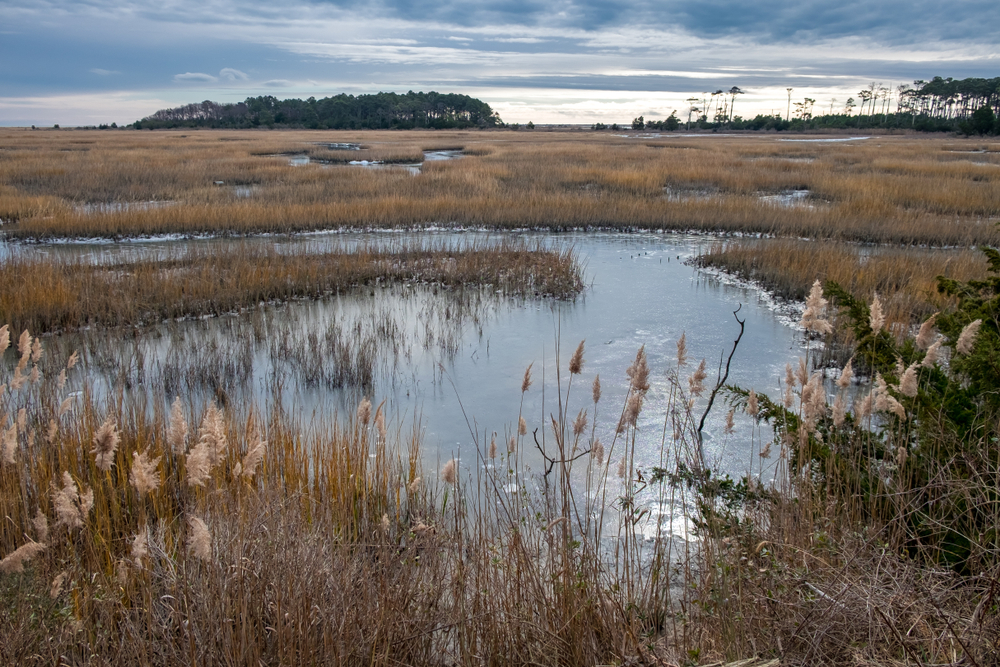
<point x="103" y="72"/>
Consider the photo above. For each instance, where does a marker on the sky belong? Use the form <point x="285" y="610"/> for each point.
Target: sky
<point x="86" y="62"/>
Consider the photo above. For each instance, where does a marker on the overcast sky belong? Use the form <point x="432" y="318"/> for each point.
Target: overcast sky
<point x="563" y="61"/>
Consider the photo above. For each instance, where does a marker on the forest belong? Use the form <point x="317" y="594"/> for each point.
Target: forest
<point x="340" y="112"/>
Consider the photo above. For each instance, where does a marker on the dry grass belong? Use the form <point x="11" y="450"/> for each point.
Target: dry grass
<point x="887" y="189"/>
<point x="338" y="548"/>
<point x="905" y="278"/>
<point x="48" y="295"/>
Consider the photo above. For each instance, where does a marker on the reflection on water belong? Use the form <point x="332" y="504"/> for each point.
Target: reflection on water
<point x="455" y="360"/>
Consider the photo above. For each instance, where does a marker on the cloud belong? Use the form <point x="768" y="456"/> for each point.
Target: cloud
<point x="230" y="74"/>
<point x="278" y="83"/>
<point x="194" y="76"/>
<point x="103" y="72"/>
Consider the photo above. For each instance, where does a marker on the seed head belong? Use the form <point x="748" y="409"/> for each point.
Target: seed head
<point x="967" y="339"/>
<point x="178" y="429"/>
<point x="41" y="525"/>
<point x="682" y="350"/>
<point x="697" y="380"/>
<point x="729" y="421"/>
<point x="596" y="389"/>
<point x="364" y="411"/>
<point x="812" y="317"/>
<point x="414" y="486"/>
<point x="493" y="446"/>
<point x="844" y="381"/>
<point x="105" y="444"/>
<point x="255" y="454"/>
<point x="926" y="334"/>
<point x="752" y="407"/>
<point x="526" y="382"/>
<point x="144" y="476"/>
<point x="908" y="383"/>
<point x="580" y="423"/>
<point x="199" y="539"/>
<point x="597" y="451"/>
<point x="933" y="352"/>
<point x="639" y="371"/>
<point x="576" y="361"/>
<point x="140" y="546"/>
<point x="522" y="426"/>
<point x="876" y="316"/>
<point x="448" y="475"/>
<point x="15" y="561"/>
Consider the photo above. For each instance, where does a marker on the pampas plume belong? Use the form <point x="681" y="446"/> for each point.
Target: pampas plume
<point x="105" y="444"/>
<point x="967" y="339"/>
<point x="199" y="539"/>
<point x="15" y="561"/>
<point x="526" y="381"/>
<point x="144" y="475"/>
<point x="364" y="411"/>
<point x="596" y="389"/>
<point x="448" y="475"/>
<point x="178" y="429"/>
<point x="576" y="361"/>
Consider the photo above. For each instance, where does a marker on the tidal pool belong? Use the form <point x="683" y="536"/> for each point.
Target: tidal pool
<point x="454" y="362"/>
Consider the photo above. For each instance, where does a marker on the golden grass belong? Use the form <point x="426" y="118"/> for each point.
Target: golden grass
<point x="905" y="278"/>
<point x="890" y="189"/>
<point x="339" y="549"/>
<point x="46" y="295"/>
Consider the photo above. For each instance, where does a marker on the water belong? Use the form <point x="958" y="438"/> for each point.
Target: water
<point x="640" y="292"/>
<point x="456" y="367"/>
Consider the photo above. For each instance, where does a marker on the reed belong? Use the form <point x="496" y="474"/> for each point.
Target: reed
<point x="226" y="535"/>
<point x="48" y="295"/>
<point x="885" y="190"/>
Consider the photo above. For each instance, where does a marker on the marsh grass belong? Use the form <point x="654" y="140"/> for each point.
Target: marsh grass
<point x="57" y="295"/>
<point x="885" y="190"/>
<point x="215" y="535"/>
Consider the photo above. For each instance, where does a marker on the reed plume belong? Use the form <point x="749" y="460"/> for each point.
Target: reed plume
<point x="682" y="350"/>
<point x="576" y="361"/>
<point x="638" y="372"/>
<point x="448" y="473"/>
<point x="105" y="445"/>
<point x="41" y="526"/>
<point x="255" y="454"/>
<point x="696" y="382"/>
<point x="493" y="446"/>
<point x="933" y="353"/>
<point x="752" y="406"/>
<point x="846" y="375"/>
<point x="813" y="316"/>
<point x="144" y="475"/>
<point x="72" y="506"/>
<point x="364" y="411"/>
<point x="14" y="562"/>
<point x="212" y="434"/>
<point x="597" y="451"/>
<point x="908" y="383"/>
<point x="178" y="429"/>
<point x="967" y="339"/>
<point x="876" y="317"/>
<point x="526" y="381"/>
<point x="9" y="445"/>
<point x="927" y="334"/>
<point x="596" y="389"/>
<point x="140" y="546"/>
<point x="199" y="539"/>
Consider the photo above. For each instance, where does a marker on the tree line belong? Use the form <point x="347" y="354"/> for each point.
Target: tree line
<point x="378" y="111"/>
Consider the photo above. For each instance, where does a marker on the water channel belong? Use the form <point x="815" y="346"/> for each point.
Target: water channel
<point x="447" y="362"/>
